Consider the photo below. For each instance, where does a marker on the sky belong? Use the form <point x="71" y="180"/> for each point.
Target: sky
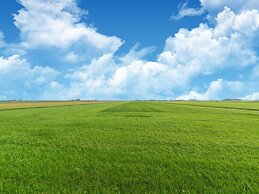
<point x="129" y="50"/>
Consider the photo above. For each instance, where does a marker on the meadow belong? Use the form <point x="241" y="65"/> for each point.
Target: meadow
<point x="129" y="147"/>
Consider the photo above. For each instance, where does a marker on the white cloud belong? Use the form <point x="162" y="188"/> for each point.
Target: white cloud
<point x="89" y="81"/>
<point x="105" y="78"/>
<point x="213" y="7"/>
<point x="246" y="23"/>
<point x="217" y="90"/>
<point x="252" y="97"/>
<point x="189" y="54"/>
<point x="201" y="51"/>
<point x="184" y="11"/>
<point x="146" y="79"/>
<point x="216" y="6"/>
<point x="135" y="54"/>
<point x="56" y="23"/>
<point x="72" y="57"/>
<point x="17" y="77"/>
<point x="206" y="49"/>
<point x="192" y="95"/>
<point x="211" y="94"/>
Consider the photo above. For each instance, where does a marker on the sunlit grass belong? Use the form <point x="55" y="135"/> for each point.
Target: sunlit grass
<point x="130" y="147"/>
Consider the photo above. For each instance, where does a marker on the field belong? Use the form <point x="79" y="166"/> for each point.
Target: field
<point x="21" y="105"/>
<point x="129" y="147"/>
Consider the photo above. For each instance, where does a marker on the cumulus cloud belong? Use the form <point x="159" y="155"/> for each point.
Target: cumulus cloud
<point x="97" y="72"/>
<point x="246" y="23"/>
<point x="18" y="77"/>
<point x="216" y="91"/>
<point x="190" y="53"/>
<point x="57" y="24"/>
<point x="106" y="77"/>
<point x="54" y="26"/>
<point x="216" y="6"/>
<point x="252" y="97"/>
<point x="146" y="79"/>
<point x="206" y="49"/>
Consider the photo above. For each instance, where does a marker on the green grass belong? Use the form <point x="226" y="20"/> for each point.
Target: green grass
<point x="131" y="147"/>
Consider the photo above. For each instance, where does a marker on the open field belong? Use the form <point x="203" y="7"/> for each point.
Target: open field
<point x="33" y="104"/>
<point x="131" y="147"/>
<point x="241" y="105"/>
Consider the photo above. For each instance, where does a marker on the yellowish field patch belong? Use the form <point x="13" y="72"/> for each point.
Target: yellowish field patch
<point x="35" y="104"/>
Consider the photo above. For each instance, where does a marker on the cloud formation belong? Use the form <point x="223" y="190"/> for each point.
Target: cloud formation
<point x="214" y="91"/>
<point x="17" y="76"/>
<point x="252" y="97"/>
<point x="187" y="55"/>
<point x="90" y="68"/>
<point x="216" y="6"/>
<point x="57" y="24"/>
<point x="184" y="11"/>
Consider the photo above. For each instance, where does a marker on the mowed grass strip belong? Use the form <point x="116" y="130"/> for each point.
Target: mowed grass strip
<point x="39" y="104"/>
<point x="129" y="147"/>
<point x="134" y="107"/>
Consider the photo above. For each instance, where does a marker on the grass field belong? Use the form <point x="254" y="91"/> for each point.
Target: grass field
<point x="130" y="147"/>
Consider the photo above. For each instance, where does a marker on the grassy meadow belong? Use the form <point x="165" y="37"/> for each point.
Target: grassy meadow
<point x="129" y="147"/>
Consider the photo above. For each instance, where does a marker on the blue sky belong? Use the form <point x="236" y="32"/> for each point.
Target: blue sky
<point x="96" y="49"/>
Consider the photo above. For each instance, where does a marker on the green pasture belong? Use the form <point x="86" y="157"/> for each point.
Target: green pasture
<point x="131" y="147"/>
